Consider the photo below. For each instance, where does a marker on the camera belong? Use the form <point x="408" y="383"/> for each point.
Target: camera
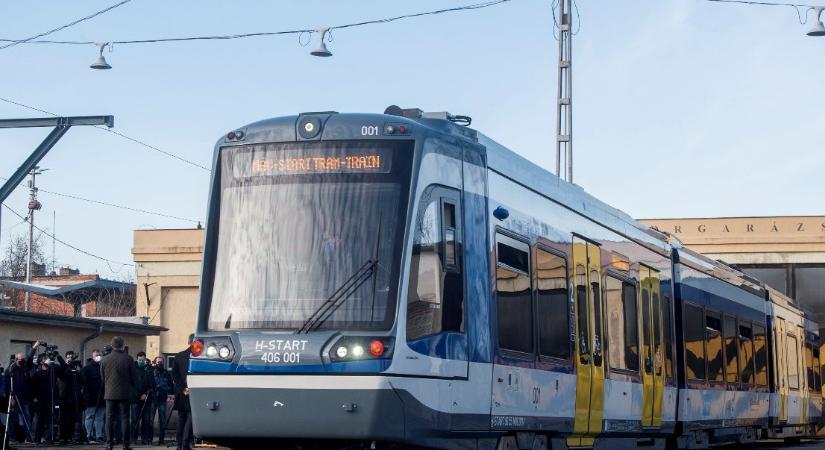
<point x="50" y="351"/>
<point x="106" y="350"/>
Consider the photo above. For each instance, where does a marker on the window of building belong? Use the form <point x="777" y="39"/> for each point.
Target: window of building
<point x="514" y="304"/>
<point x="775" y="277"/>
<point x="622" y="324"/>
<point x="731" y="350"/>
<point x="792" y="362"/>
<point x="552" y="303"/>
<point x="760" y="355"/>
<point x="694" y="326"/>
<point x="810" y="286"/>
<point x="713" y="331"/>
<point x="746" y="353"/>
<point x="435" y="299"/>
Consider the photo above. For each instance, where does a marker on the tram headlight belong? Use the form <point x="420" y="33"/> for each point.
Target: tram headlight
<point x="341" y="352"/>
<point x="361" y="348"/>
<point x="215" y="348"/>
<point x="357" y="351"/>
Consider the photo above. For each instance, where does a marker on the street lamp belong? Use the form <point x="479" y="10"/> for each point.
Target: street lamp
<point x="818" y="29"/>
<point x="321" y="50"/>
<point x="100" y="63"/>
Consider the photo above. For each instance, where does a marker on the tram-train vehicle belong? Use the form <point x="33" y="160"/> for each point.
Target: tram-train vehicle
<point x="401" y="280"/>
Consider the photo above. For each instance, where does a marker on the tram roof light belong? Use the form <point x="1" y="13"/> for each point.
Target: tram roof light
<point x="818" y="28"/>
<point x="321" y="50"/>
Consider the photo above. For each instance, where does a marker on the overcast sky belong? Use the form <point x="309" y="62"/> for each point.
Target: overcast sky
<point x="683" y="108"/>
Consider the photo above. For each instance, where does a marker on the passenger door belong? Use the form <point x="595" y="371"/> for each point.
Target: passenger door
<point x="589" y="360"/>
<point x="653" y="353"/>
<point x="781" y="368"/>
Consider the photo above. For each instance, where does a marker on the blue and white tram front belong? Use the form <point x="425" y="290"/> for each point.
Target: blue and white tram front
<point x="299" y="331"/>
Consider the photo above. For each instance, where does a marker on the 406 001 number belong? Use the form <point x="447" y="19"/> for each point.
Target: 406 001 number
<point x="281" y="357"/>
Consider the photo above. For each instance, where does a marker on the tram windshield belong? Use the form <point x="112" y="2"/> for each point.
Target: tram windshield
<point x="309" y="236"/>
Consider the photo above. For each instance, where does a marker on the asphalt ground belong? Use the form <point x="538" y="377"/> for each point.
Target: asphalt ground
<point x="769" y="445"/>
<point x="775" y="445"/>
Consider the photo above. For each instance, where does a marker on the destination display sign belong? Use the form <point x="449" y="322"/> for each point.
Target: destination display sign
<point x="262" y="161"/>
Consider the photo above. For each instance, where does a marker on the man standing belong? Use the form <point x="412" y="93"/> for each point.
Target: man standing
<point x="163" y="389"/>
<point x="119" y="376"/>
<point x="180" y="370"/>
<point x="69" y="388"/>
<point x="142" y="403"/>
<point x="93" y="399"/>
<point x="18" y="383"/>
<point x="46" y="396"/>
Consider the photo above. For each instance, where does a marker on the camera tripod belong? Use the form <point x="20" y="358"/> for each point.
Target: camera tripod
<point x="14" y="403"/>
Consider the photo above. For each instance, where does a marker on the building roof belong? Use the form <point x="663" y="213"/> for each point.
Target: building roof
<point x="12" y="315"/>
<point x="76" y="293"/>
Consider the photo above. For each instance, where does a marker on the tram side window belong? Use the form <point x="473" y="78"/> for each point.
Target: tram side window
<point x="514" y="304"/>
<point x="746" y="353"/>
<point x="817" y="371"/>
<point x="552" y="305"/>
<point x="760" y="355"/>
<point x="435" y="299"/>
<point x="809" y="365"/>
<point x="731" y="350"/>
<point x="713" y="331"/>
<point x="622" y="322"/>
<point x="694" y="326"/>
<point x="793" y="361"/>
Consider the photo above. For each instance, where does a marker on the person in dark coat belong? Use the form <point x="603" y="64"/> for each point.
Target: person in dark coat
<point x="18" y="381"/>
<point x="92" y="388"/>
<point x="163" y="389"/>
<point x="142" y="402"/>
<point x="70" y="400"/>
<point x="119" y="376"/>
<point x="180" y="369"/>
<point x="46" y="397"/>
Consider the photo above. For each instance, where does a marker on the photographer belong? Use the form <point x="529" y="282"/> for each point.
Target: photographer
<point x="19" y="391"/>
<point x="46" y="396"/>
<point x="69" y="388"/>
<point x="142" y="402"/>
<point x="95" y="413"/>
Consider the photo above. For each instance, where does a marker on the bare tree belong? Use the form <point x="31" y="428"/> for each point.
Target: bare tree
<point x="13" y="263"/>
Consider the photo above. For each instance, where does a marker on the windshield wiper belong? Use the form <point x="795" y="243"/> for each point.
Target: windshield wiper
<point x="339" y="297"/>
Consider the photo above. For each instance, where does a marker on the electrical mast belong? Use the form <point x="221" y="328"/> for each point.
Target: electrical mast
<point x="34" y="205"/>
<point x="564" y="119"/>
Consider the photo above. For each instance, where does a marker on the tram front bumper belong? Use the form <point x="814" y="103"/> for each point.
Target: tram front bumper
<point x="295" y="407"/>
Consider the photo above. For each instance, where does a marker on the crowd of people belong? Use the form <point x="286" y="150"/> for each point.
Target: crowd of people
<point x="114" y="399"/>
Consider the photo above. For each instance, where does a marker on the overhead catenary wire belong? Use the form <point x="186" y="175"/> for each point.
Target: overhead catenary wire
<point x="114" y="205"/>
<point x="12" y="43"/>
<point x="77" y="249"/>
<point x="116" y="133"/>
<point x="803" y="19"/>
<point x="470" y="7"/>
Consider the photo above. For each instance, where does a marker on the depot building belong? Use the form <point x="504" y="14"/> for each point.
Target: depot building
<point x="788" y="253"/>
